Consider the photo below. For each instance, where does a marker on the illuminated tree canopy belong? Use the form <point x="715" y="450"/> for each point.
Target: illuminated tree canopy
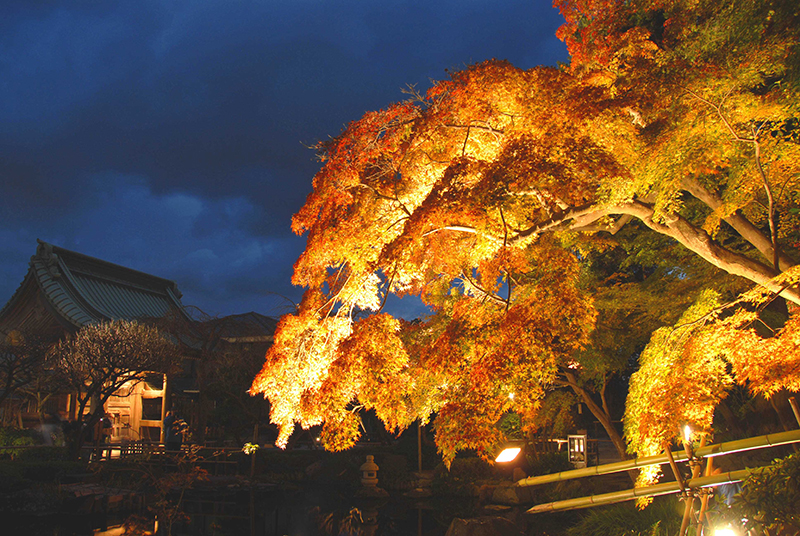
<point x="485" y="195"/>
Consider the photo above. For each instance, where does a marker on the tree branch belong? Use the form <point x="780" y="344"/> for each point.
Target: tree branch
<point x="677" y="227"/>
<point x="486" y="294"/>
<point x="460" y="228"/>
<point x="741" y="225"/>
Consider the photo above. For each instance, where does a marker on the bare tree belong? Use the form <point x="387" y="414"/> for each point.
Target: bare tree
<point x="105" y="359"/>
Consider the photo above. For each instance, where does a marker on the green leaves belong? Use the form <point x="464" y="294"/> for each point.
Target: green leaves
<point x="770" y="498"/>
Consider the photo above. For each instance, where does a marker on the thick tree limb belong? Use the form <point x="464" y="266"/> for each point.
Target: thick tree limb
<point x="742" y="225"/>
<point x="674" y="226"/>
<point x="699" y="242"/>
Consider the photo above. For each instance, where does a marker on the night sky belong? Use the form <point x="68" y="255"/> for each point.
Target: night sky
<point x="172" y="136"/>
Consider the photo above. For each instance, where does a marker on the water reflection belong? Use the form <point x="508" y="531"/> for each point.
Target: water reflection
<point x="261" y="511"/>
<point x="280" y="512"/>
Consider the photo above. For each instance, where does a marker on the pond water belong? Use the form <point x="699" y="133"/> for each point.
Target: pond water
<point x="278" y="511"/>
<point x="306" y="513"/>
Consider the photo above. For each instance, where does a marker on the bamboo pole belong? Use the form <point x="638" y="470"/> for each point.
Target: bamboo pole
<point x="666" y="488"/>
<point x="704" y="499"/>
<point x="696" y="465"/>
<point x="674" y="466"/>
<point x="795" y="409"/>
<point x="740" y="445"/>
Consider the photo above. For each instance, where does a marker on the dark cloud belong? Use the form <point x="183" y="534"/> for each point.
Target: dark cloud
<point x="173" y="136"/>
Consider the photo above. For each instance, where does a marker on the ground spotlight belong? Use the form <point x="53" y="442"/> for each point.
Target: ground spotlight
<point x="508" y="454"/>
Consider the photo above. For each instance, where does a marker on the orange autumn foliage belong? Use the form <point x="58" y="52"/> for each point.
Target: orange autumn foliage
<point x="480" y="195"/>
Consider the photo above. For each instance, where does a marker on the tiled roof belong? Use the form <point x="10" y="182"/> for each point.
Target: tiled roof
<point x="247" y="325"/>
<point x="85" y="290"/>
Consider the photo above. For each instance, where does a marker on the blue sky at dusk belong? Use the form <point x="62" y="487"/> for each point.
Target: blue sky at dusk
<point x="172" y="136"/>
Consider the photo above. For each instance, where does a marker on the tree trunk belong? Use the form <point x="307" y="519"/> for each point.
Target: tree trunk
<point x="603" y="416"/>
<point x="255" y="453"/>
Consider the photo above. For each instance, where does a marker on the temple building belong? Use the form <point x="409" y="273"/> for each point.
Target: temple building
<point x="64" y="291"/>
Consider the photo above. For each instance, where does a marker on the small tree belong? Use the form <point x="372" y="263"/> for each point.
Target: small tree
<point x="102" y="359"/>
<point x="22" y="358"/>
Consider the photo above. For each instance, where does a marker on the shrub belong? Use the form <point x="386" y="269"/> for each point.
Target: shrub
<point x="770" y="499"/>
<point x="43" y="454"/>
<point x="49" y="471"/>
<point x="546" y="463"/>
<point x="659" y="519"/>
<point x="14" y="437"/>
<point x="11" y="477"/>
<point x="460" y="480"/>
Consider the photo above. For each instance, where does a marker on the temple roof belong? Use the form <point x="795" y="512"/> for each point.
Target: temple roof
<point x="81" y="290"/>
<point x="247" y="327"/>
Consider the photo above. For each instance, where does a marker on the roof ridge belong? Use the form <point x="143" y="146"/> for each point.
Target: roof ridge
<point x="45" y="250"/>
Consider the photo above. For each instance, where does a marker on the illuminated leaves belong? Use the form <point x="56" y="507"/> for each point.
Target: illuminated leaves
<point x="765" y="359"/>
<point x="483" y="195"/>
<point x="678" y="383"/>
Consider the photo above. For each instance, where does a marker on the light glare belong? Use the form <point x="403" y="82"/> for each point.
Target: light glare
<point x="507" y="455"/>
<point x="725" y="531"/>
<point x="687" y="434"/>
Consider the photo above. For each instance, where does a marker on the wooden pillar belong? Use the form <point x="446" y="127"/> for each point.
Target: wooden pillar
<point x="164" y="391"/>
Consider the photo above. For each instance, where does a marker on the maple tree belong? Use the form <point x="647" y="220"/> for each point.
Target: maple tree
<point x="486" y="194"/>
<point x="723" y="115"/>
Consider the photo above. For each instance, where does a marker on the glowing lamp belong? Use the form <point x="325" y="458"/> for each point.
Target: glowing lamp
<point x="687" y="434"/>
<point x="508" y="454"/>
<point x="725" y="531"/>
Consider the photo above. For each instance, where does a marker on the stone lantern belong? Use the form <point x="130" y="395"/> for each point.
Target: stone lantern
<point x="369" y="473"/>
<point x="369" y="480"/>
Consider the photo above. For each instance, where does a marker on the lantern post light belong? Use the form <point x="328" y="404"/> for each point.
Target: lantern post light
<point x="369" y="473"/>
<point x="577" y="447"/>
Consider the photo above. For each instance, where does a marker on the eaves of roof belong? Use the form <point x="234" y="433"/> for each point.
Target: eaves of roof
<point x="84" y="290"/>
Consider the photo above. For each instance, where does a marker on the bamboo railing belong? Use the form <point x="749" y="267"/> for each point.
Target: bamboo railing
<point x="741" y="445"/>
<point x="770" y="440"/>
